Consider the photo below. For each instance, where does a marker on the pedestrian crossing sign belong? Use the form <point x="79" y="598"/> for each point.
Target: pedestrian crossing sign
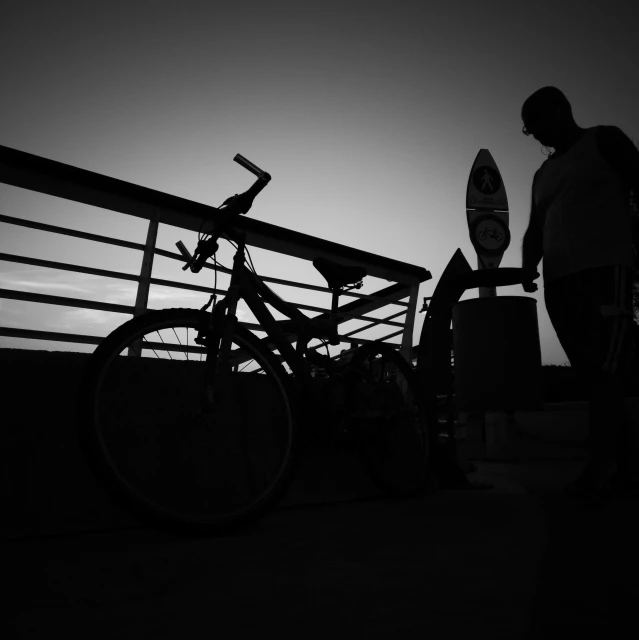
<point x="485" y="188"/>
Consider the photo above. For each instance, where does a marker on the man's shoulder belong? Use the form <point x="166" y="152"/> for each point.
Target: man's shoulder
<point x="613" y="141"/>
<point x="619" y="151"/>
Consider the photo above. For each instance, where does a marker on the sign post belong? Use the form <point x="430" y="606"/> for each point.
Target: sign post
<point x="487" y="215"/>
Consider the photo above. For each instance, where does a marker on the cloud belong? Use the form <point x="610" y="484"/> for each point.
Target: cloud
<point x="77" y="319"/>
<point x="89" y="287"/>
<point x="8" y="281"/>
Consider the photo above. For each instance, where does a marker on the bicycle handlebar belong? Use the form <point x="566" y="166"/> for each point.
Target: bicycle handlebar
<point x="235" y="205"/>
<point x="247" y="164"/>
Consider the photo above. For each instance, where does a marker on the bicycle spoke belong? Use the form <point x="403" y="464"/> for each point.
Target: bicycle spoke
<point x="177" y="454"/>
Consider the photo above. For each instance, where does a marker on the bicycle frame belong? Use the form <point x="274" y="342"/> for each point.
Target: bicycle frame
<point x="247" y="286"/>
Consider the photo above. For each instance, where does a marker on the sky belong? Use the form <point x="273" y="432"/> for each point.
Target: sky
<point x="368" y="115"/>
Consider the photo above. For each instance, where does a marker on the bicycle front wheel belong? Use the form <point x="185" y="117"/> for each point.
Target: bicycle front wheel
<point x="396" y="440"/>
<point x="189" y="464"/>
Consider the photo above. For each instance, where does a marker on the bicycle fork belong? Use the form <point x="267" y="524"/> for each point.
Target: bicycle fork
<point x="219" y="338"/>
<point x="218" y="369"/>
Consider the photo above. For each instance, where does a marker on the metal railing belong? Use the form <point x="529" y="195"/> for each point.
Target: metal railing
<point x="38" y="174"/>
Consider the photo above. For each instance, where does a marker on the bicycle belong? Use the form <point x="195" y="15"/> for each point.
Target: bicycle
<point x="215" y="447"/>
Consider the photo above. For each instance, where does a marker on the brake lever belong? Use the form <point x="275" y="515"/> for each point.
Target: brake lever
<point x="185" y="253"/>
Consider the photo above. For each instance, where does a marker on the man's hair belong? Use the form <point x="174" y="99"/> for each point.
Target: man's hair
<point x="546" y="96"/>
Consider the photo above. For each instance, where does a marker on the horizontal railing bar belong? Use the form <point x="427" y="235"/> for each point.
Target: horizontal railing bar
<point x="59" y="300"/>
<point x="191" y="287"/>
<point x="42" y="298"/>
<point x="43" y="175"/>
<point x="10" y="294"/>
<point x="138" y="246"/>
<point x="65" y="266"/>
<point x="288" y="283"/>
<point x="353" y="316"/>
<point x="257" y="327"/>
<point x="327" y="290"/>
<point x="95" y="238"/>
<point x="51" y="264"/>
<point x="392" y="335"/>
<point x="54" y="336"/>
<point x="394" y="292"/>
<point x="70" y="232"/>
<point x="170" y="283"/>
<point x="125" y="276"/>
<point x="376" y="322"/>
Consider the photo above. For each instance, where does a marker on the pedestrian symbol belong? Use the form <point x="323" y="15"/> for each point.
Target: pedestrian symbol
<point x="485" y="190"/>
<point x="486" y="180"/>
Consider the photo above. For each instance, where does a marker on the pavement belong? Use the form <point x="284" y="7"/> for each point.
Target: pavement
<point x="518" y="561"/>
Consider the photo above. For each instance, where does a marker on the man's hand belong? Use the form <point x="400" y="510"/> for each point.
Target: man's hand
<point x="528" y="275"/>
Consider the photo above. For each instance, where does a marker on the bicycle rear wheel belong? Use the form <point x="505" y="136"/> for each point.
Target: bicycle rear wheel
<point x="396" y="443"/>
<point x="161" y="451"/>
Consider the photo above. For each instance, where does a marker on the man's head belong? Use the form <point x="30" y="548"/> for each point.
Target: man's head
<point x="547" y="116"/>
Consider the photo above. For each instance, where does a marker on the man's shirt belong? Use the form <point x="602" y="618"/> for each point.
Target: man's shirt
<point x="584" y="209"/>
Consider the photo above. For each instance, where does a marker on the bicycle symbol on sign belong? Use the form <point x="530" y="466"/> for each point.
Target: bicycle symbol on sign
<point x="490" y="233"/>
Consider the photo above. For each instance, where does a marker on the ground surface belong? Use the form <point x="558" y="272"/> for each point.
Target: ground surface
<point x="519" y="561"/>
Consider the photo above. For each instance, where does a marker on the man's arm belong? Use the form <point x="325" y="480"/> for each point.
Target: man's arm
<point x="532" y="246"/>
<point x="621" y="154"/>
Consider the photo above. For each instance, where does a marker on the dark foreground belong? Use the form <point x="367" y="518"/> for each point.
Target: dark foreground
<point x="520" y="561"/>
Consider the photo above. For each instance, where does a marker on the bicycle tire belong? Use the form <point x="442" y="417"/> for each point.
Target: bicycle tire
<point x="408" y="471"/>
<point x="101" y="461"/>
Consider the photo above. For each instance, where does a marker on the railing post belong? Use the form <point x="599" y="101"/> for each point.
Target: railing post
<point x="406" y="348"/>
<point x="142" y="297"/>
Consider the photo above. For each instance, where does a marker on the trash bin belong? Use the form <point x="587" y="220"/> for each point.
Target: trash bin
<point x="497" y="354"/>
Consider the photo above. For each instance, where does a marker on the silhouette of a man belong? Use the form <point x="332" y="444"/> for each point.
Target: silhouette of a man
<point x="581" y="225"/>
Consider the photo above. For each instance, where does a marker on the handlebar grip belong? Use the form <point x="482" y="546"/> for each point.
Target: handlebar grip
<point x="247" y="164"/>
<point x="183" y="250"/>
<point x="185" y="254"/>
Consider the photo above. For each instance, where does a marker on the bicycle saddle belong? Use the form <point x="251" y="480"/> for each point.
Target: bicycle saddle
<point x="338" y="275"/>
